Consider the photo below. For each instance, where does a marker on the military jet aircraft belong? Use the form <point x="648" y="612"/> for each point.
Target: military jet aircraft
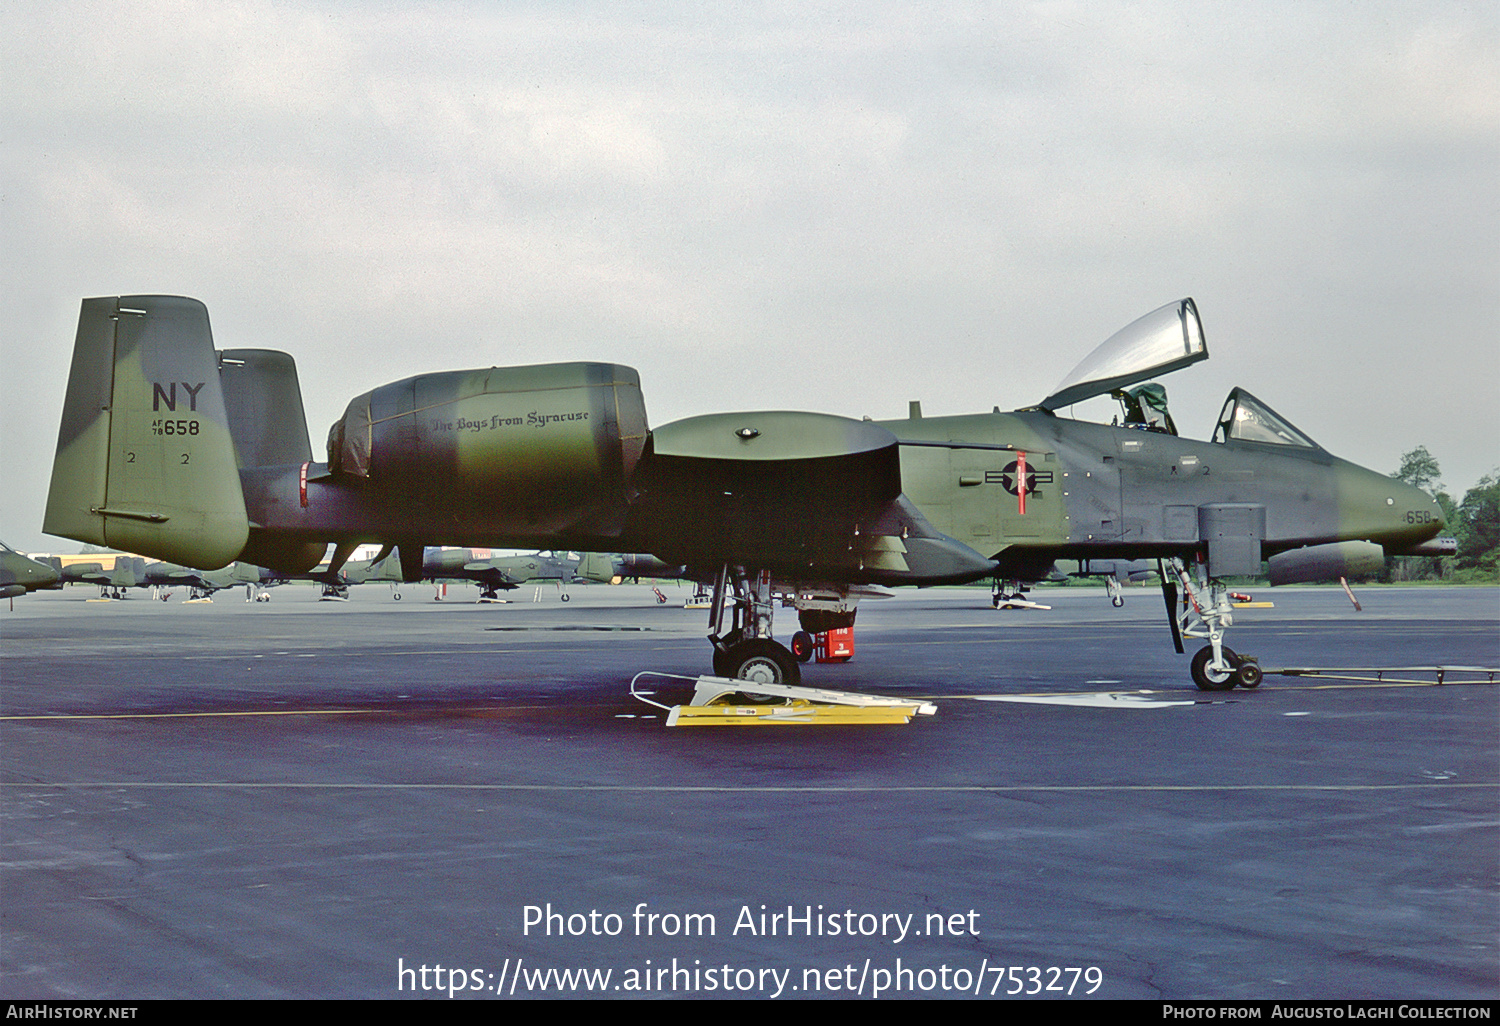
<point x="122" y="572"/>
<point x="127" y="571"/>
<point x="202" y="584"/>
<point x="20" y="574"/>
<point x="170" y="448"/>
<point x="495" y="573"/>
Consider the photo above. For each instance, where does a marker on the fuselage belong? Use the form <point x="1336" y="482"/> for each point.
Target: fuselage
<point x="1018" y="489"/>
<point x="195" y="456"/>
<point x="1092" y="490"/>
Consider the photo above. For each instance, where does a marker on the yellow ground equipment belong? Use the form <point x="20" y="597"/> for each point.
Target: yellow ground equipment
<point x="722" y="702"/>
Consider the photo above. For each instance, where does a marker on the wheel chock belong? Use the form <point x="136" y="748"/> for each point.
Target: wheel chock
<point x="723" y="702"/>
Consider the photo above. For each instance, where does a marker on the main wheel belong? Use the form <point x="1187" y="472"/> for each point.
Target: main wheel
<point x="1214" y="680"/>
<point x="760" y="660"/>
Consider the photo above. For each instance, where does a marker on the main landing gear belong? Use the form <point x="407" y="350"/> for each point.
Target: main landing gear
<point x="1015" y="598"/>
<point x="1206" y="613"/>
<point x="747" y="651"/>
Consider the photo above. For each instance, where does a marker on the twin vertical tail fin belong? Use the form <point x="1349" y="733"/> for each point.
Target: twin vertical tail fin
<point x="597" y="566"/>
<point x="145" y="459"/>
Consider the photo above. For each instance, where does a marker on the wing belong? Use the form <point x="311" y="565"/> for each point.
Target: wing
<point x="805" y="495"/>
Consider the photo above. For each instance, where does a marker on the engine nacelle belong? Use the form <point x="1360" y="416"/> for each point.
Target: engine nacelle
<point x="1316" y="563"/>
<point x="546" y="447"/>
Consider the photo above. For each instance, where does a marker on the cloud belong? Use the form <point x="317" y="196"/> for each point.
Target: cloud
<point x="822" y="206"/>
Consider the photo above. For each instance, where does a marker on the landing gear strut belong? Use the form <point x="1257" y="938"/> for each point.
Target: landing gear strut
<point x="1013" y="599"/>
<point x="747" y="651"/>
<point x="1206" y="613"/>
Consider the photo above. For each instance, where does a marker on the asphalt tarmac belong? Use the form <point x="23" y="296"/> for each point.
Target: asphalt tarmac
<point x="380" y="799"/>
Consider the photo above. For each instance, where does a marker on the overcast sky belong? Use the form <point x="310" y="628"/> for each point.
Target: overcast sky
<point x="834" y="207"/>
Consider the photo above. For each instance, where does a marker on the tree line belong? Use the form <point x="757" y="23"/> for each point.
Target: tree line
<point x="1474" y="522"/>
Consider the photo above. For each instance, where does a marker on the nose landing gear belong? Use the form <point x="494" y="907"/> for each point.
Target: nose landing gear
<point x="1206" y="613"/>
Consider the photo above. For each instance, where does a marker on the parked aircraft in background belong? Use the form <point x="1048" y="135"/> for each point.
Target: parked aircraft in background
<point x="496" y="573"/>
<point x="492" y="572"/>
<point x="20" y="574"/>
<point x="635" y="566"/>
<point x="175" y="450"/>
<point x="115" y="573"/>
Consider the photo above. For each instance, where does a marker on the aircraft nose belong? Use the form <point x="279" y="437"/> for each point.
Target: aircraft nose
<point x="1381" y="509"/>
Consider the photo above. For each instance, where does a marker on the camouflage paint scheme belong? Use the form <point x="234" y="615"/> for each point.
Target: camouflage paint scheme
<point x="144" y="419"/>
<point x="130" y="571"/>
<point x="20" y="574"/>
<point x="560" y="457"/>
<point x="1127" y="494"/>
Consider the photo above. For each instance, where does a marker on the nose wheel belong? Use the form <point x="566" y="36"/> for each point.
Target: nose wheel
<point x="1207" y="613"/>
<point x="1244" y="671"/>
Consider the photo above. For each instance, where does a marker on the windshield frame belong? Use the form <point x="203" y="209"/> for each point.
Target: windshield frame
<point x="1245" y="419"/>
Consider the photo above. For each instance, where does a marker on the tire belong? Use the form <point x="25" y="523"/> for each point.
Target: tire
<point x="760" y="659"/>
<point x="802" y="646"/>
<point x="566" y="597"/>
<point x="1208" y="681"/>
<point x="1249" y="674"/>
<point x="721" y="663"/>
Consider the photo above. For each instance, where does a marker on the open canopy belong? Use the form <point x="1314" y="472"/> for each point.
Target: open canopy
<point x="1161" y="341"/>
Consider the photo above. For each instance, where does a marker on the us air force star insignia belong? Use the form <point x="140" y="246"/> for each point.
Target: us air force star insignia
<point x="1034" y="477"/>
